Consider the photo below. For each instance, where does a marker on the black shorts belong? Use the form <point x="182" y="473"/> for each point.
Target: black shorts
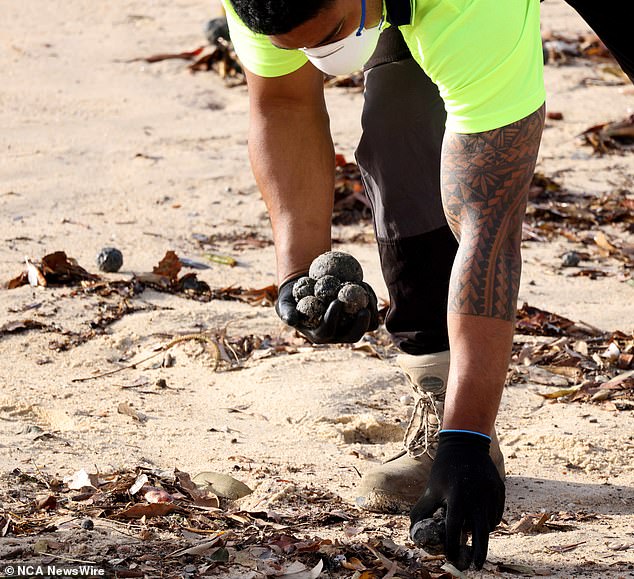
<point x="399" y="157"/>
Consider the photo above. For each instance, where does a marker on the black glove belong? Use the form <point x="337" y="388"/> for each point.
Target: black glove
<point x="336" y="327"/>
<point x="464" y="480"/>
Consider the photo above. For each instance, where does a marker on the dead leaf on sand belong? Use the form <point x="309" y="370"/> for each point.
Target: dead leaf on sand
<point x="596" y="366"/>
<point x="53" y="269"/>
<point x="285" y="544"/>
<point x="126" y="408"/>
<point x="140" y="510"/>
<point x="610" y="137"/>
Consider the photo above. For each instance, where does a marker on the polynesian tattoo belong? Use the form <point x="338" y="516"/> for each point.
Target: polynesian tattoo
<point x="485" y="182"/>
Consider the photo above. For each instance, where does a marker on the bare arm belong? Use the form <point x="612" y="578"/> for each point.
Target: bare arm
<point x="293" y="162"/>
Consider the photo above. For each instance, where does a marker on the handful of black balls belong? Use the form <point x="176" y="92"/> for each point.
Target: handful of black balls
<point x="333" y="275"/>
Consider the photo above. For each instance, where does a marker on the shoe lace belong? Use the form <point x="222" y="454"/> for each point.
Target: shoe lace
<point x="425" y="423"/>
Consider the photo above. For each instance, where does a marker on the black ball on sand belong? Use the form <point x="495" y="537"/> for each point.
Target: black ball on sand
<point x="110" y="259"/>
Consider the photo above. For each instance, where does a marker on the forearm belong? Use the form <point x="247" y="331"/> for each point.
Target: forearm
<point x="292" y="158"/>
<point x="485" y="180"/>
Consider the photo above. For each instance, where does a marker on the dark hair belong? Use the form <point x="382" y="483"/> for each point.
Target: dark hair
<point x="272" y="17"/>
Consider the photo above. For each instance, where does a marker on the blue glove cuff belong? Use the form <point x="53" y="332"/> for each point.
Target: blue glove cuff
<point x="468" y="432"/>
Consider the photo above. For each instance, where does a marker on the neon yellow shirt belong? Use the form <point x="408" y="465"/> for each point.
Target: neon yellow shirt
<point x="485" y="56"/>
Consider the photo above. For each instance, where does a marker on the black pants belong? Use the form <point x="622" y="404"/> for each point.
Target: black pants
<point x="399" y="156"/>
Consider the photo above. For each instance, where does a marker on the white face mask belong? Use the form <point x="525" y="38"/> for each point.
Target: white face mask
<point x="349" y="54"/>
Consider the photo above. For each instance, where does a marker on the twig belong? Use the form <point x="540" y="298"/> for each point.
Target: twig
<point x="39" y="472"/>
<point x="70" y="559"/>
<point x="187" y="337"/>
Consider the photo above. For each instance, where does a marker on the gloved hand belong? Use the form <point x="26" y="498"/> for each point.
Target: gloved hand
<point x="463" y="479"/>
<point x="337" y="327"/>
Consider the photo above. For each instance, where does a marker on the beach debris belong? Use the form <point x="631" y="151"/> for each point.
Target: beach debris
<point x="33" y="275"/>
<point x="570" y="259"/>
<point x="164" y="277"/>
<point x="54" y="269"/>
<point x="225" y="352"/>
<point x="221" y="259"/>
<point x="564" y="548"/>
<point x="19" y="326"/>
<point x="530" y="524"/>
<point x="239" y="240"/>
<point x="222" y="59"/>
<point x="127" y="409"/>
<point x="217" y="29"/>
<point x="587" y="364"/>
<point x="556" y="211"/>
<point x="351" y="206"/>
<point x="610" y="137"/>
<point x="223" y="485"/>
<point x="193" y="264"/>
<point x="276" y="530"/>
<point x="542" y="186"/>
<point x="354" y="81"/>
<point x="160" y="57"/>
<point x="594" y="222"/>
<point x="109" y="260"/>
<point x="566" y="49"/>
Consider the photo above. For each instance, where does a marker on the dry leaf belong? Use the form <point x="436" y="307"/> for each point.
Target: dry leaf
<point x="353" y="564"/>
<point x="603" y="242"/>
<point x="560" y="393"/>
<point x="81" y="479"/>
<point x="125" y="408"/>
<point x="530" y="524"/>
<point x="60" y="269"/>
<point x="222" y="485"/>
<point x="48" y="502"/>
<point x="55" y="268"/>
<point x="147" y="510"/>
<point x="169" y="266"/>
<point x="291" y="573"/>
<point x="201" y="548"/>
<point x="202" y="497"/>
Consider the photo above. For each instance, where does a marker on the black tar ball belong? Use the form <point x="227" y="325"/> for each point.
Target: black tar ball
<point x="110" y="259"/>
<point x="341" y="265"/>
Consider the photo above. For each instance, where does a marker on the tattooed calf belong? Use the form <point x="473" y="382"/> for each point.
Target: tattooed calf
<point x="485" y="181"/>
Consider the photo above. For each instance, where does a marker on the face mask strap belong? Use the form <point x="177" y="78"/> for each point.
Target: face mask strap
<point x="362" y="18"/>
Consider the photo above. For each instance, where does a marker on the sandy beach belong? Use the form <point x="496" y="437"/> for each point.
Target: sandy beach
<point x="99" y="149"/>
